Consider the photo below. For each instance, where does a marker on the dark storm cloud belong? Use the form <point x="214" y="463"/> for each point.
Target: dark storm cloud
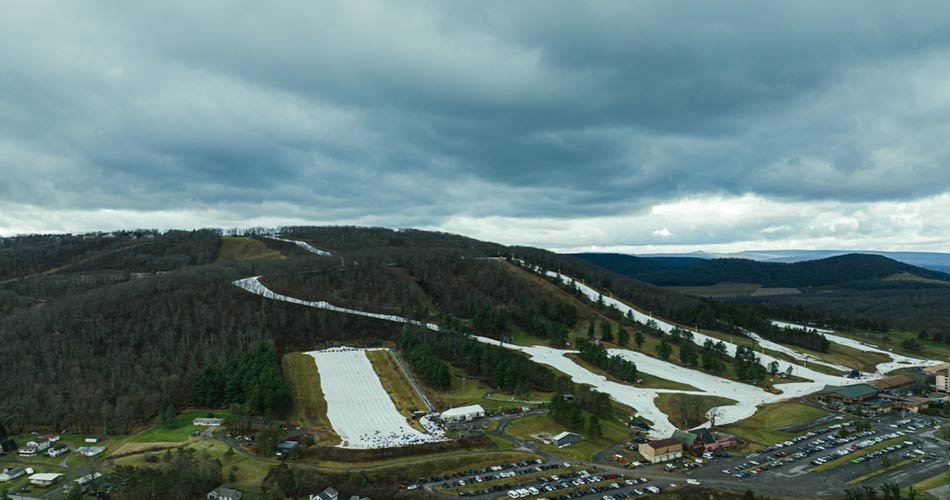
<point x="414" y="111"/>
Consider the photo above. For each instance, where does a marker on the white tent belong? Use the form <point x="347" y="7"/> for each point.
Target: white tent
<point x="463" y="413"/>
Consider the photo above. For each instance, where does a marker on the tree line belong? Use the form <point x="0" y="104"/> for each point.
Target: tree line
<point x="597" y="355"/>
<point x="424" y="362"/>
<point x="253" y="379"/>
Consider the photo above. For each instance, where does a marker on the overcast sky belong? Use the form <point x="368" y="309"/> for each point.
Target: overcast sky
<point x="635" y="125"/>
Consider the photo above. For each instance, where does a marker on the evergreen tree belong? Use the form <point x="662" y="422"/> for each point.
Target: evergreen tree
<point x="623" y="337"/>
<point x="590" y="330"/>
<point x="593" y="427"/>
<point x="664" y="349"/>
<point x="638" y="339"/>
<point x="606" y="331"/>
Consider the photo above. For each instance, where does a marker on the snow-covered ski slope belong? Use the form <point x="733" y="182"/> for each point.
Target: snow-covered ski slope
<point x="699" y="338"/>
<point x="358" y="406"/>
<point x="302" y="244"/>
<point x="254" y="285"/>
<point x="897" y="360"/>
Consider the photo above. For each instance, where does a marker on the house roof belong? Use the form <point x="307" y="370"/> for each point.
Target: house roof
<point x="564" y="435"/>
<point x="706" y="437"/>
<point x="224" y="491"/>
<point x="46" y="476"/>
<point x="685" y="437"/>
<point x="892" y="381"/>
<point x="849" y="391"/>
<point x="937" y="368"/>
<point x="662" y="443"/>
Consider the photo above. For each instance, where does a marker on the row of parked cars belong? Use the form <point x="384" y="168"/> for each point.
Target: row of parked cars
<point x="808" y="435"/>
<point x="490" y="475"/>
<point x="555" y="483"/>
<point x="475" y="472"/>
<point x="864" y="444"/>
<point x="578" y="477"/>
<point x="594" y="490"/>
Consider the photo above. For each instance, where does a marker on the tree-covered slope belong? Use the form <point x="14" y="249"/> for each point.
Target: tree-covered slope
<point x="844" y="270"/>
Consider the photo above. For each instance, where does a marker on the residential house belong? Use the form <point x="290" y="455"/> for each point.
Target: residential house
<point x="57" y="450"/>
<point x="34" y="447"/>
<point x="11" y="474"/>
<point x="328" y="494"/>
<point x="224" y="493"/>
<point x="45" y="479"/>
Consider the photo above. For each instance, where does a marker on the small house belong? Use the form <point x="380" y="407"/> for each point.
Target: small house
<point x="57" y="450"/>
<point x="45" y="479"/>
<point x="566" y="439"/>
<point x="11" y="474"/>
<point x="224" y="493"/>
<point x="328" y="494"/>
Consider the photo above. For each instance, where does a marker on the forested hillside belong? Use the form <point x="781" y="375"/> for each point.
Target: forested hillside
<point x="852" y="291"/>
<point x="102" y="332"/>
<point x="856" y="270"/>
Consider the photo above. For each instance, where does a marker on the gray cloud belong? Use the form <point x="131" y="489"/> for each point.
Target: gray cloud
<point x="415" y="113"/>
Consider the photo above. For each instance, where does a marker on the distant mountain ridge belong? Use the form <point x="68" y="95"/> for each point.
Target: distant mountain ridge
<point x="841" y="270"/>
<point x="935" y="261"/>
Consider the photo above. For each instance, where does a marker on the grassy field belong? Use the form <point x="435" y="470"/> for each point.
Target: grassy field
<point x="245" y="248"/>
<point x="761" y="429"/>
<point x="249" y="472"/>
<point x="524" y="428"/>
<point x="397" y="385"/>
<point x="310" y="407"/>
<point x="936" y="481"/>
<point x="649" y="381"/>
<point x="892" y="340"/>
<point x="182" y="430"/>
<point x="665" y="402"/>
<point x="848" y="356"/>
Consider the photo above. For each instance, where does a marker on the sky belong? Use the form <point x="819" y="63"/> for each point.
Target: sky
<point x="634" y="126"/>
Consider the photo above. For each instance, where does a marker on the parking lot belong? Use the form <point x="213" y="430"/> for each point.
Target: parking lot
<point x="541" y="480"/>
<point x="834" y="455"/>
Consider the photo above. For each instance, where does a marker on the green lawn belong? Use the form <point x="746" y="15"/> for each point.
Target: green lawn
<point x="524" y="428"/>
<point x="309" y="409"/>
<point x="649" y="381"/>
<point x="761" y="429"/>
<point x="182" y="430"/>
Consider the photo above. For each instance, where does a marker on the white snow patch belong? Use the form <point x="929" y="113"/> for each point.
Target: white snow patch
<point x="302" y="244"/>
<point x="358" y="406"/>
<point x="898" y="360"/>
